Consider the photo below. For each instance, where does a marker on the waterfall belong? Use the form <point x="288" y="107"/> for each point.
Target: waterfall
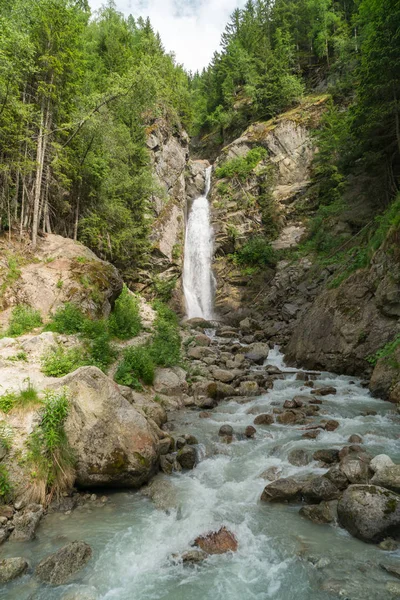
<point x="198" y="280"/>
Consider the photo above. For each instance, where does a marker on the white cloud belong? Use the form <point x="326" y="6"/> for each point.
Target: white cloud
<point x="189" y="28"/>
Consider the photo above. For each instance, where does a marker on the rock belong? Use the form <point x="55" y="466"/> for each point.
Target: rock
<point x="289" y="311"/>
<point x="80" y="593"/>
<point x="391" y="569"/>
<point x="248" y="388"/>
<point x="389" y="545"/>
<point x="224" y="376"/>
<point x="253" y="357"/>
<point x="325" y="512"/>
<point x="202" y="340"/>
<point x="166" y="464"/>
<point x="191" y="439"/>
<point x="325" y="391"/>
<point x="290" y="417"/>
<point x="217" y="542"/>
<point x="205" y="415"/>
<point x="282" y="490"/>
<point x="337" y="477"/>
<point x="226" y="430"/>
<point x="6" y="511"/>
<point x="393" y="588"/>
<point x="193" y="556"/>
<point x="388" y="477"/>
<point x="271" y="474"/>
<point x="355" y="439"/>
<point x="187" y="457"/>
<point x="11" y="568"/>
<point x="164" y="445"/>
<point x="250" y="431"/>
<point x="170" y="382"/>
<point x="162" y="492"/>
<point x="180" y="443"/>
<point x="199" y="323"/>
<point x="370" y="513"/>
<point x="331" y="425"/>
<point x="264" y="419"/>
<point x="311" y="435"/>
<point x="200" y="352"/>
<point x="381" y="461"/>
<point x="355" y="469"/>
<point x="113" y="442"/>
<point x="26" y="522"/>
<point x="301" y="376"/>
<point x="328" y="456"/>
<point x="318" y="489"/>
<point x="259" y="348"/>
<point x="290" y="404"/>
<point x="299" y="457"/>
<point x="61" y="566"/>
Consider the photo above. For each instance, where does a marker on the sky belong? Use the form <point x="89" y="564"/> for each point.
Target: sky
<point x="189" y="28"/>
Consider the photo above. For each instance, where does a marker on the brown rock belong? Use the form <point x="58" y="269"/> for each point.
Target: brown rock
<point x="325" y="391"/>
<point x="265" y="419"/>
<point x="331" y="425"/>
<point x="282" y="490"/>
<point x="250" y="431"/>
<point x="355" y="439"/>
<point x="217" y="542"/>
<point x="311" y="435"/>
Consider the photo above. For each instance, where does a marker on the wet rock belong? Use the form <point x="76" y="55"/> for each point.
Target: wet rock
<point x="316" y="401"/>
<point x="165" y="445"/>
<point x="248" y="388"/>
<point x="331" y="425"/>
<point x="282" y="490"/>
<point x="167" y="464"/>
<point x="389" y="545"/>
<point x="291" y="417"/>
<point x="264" y="419"/>
<point x="202" y="340"/>
<point x="388" y="477"/>
<point x="6" y="511"/>
<point x="191" y="439"/>
<point x="325" y="512"/>
<point x="290" y="404"/>
<point x="60" y="567"/>
<point x="328" y="456"/>
<point x="187" y="457"/>
<point x="393" y="588"/>
<point x="370" y="513"/>
<point x="226" y="430"/>
<point x="26" y="522"/>
<point x="325" y="391"/>
<point x="11" y="568"/>
<point x="299" y="457"/>
<point x="355" y="439"/>
<point x="318" y="489"/>
<point x="311" y="435"/>
<point x="193" y="556"/>
<point x="205" y="415"/>
<point x="379" y="462"/>
<point x="391" y="569"/>
<point x="355" y="469"/>
<point x="218" y="542"/>
<point x="259" y="348"/>
<point x="250" y="431"/>
<point x="301" y="376"/>
<point x="253" y="357"/>
<point x="80" y="593"/>
<point x="180" y="443"/>
<point x="271" y="474"/>
<point x="162" y="492"/>
<point x="337" y="477"/>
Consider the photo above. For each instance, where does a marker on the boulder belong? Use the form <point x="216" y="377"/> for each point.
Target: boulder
<point x="260" y="348"/>
<point x="253" y="357"/>
<point x="250" y="431"/>
<point x="282" y="490"/>
<point x="290" y="417"/>
<point x="264" y="419"/>
<point x="312" y="434"/>
<point x="187" y="457"/>
<point x="318" y="489"/>
<point x="193" y="556"/>
<point x="200" y="352"/>
<point x="26" y="522"/>
<point x="202" y="340"/>
<point x="325" y="512"/>
<point x="324" y="391"/>
<point x="381" y="461"/>
<point x="355" y="439"/>
<point x="299" y="457"/>
<point x="226" y="430"/>
<point x="331" y="425"/>
<point x="391" y="569"/>
<point x="248" y="388"/>
<point x="224" y="376"/>
<point x="217" y="542"/>
<point x="370" y="513"/>
<point x="170" y="382"/>
<point x="61" y="566"/>
<point x="162" y="492"/>
<point x="388" y="477"/>
<point x="11" y="568"/>
<point x="113" y="442"/>
<point x="271" y="474"/>
<point x="356" y="469"/>
<point x="337" y="477"/>
<point x="328" y="456"/>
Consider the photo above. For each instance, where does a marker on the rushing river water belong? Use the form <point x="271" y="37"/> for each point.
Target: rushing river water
<point x="133" y="541"/>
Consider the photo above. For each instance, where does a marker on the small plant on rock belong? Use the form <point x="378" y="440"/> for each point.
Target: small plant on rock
<point x="5" y="484"/>
<point x="24" y="318"/>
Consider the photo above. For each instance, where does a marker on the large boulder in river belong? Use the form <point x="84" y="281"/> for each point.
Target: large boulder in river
<point x="60" y="567"/>
<point x="319" y="488"/>
<point x="11" y="568"/>
<point x="217" y="542"/>
<point x="370" y="513"/>
<point x="26" y="522"/>
<point x="170" y="382"/>
<point x="282" y="490"/>
<point x="113" y="442"/>
<point x="388" y="477"/>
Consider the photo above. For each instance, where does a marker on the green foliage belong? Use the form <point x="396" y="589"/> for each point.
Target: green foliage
<point x="24" y="318"/>
<point x="257" y="252"/>
<point x="25" y="398"/>
<point x="67" y="319"/>
<point x="6" y="435"/>
<point x="386" y="352"/>
<point x="60" y="361"/>
<point x="97" y="343"/>
<point x="136" y="366"/>
<point x="5" y="484"/>
<point x="12" y="272"/>
<point x="19" y="356"/>
<point x="125" y="322"/>
<point x="241" y="167"/>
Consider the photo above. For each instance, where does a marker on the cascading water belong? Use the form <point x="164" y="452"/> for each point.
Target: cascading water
<point x="198" y="282"/>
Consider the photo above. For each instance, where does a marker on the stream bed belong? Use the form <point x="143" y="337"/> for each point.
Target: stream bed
<point x="279" y="553"/>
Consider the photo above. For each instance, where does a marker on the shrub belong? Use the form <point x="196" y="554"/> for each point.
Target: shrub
<point x="67" y="319"/>
<point x="97" y="341"/>
<point x="256" y="252"/>
<point x="125" y="322"/>
<point x="59" y="362"/>
<point x="50" y="457"/>
<point x="21" y="399"/>
<point x="5" y="485"/>
<point x="241" y="167"/>
<point x="137" y="365"/>
<point x="6" y="435"/>
<point x="386" y="352"/>
<point x="24" y="318"/>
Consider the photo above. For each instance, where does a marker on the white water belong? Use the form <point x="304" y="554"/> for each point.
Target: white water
<point x="198" y="282"/>
<point x="133" y="542"/>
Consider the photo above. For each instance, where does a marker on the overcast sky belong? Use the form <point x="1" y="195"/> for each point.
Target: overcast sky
<point x="189" y="28"/>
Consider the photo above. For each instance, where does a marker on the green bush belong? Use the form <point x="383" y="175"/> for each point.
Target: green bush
<point x="59" y="362"/>
<point x="97" y="342"/>
<point x="5" y="485"/>
<point x="24" y="318"/>
<point x="67" y="319"/>
<point x="256" y="252"/>
<point x="136" y="366"/>
<point x="241" y="167"/>
<point x="6" y="435"/>
<point x="125" y="322"/>
<point x="386" y="352"/>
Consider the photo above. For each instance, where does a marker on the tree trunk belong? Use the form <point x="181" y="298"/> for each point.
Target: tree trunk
<point x="40" y="153"/>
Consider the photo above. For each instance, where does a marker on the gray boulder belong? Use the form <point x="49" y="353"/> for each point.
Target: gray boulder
<point x="299" y="457"/>
<point x="388" y="477"/>
<point x="370" y="513"/>
<point x="355" y="468"/>
<point x="26" y="522"/>
<point x="11" y="568"/>
<point x="381" y="461"/>
<point x="225" y="430"/>
<point x="328" y="456"/>
<point x="325" y="512"/>
<point x="320" y="488"/>
<point x="282" y="490"/>
<point x="61" y="566"/>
